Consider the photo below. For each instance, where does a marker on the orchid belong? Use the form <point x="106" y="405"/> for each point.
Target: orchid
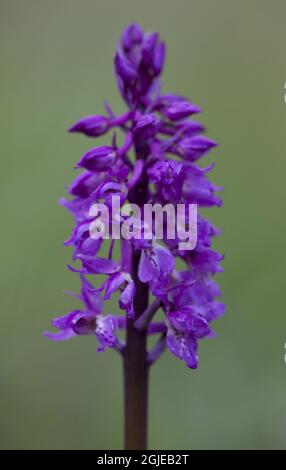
<point x="157" y="162"/>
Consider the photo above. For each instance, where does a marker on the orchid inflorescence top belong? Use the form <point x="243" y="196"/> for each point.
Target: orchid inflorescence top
<point x="156" y="162"/>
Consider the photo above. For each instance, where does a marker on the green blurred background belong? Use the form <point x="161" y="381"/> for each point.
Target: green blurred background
<point x="56" y="66"/>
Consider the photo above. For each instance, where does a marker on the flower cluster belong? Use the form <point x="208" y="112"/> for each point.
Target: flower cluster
<point x="156" y="162"/>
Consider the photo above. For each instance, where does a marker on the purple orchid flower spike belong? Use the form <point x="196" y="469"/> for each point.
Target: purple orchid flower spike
<point x="155" y="163"/>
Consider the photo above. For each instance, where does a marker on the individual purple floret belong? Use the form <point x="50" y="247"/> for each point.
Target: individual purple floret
<point x="155" y="162"/>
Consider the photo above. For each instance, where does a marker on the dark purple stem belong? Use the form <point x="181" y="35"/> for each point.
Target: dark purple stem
<point x="135" y="353"/>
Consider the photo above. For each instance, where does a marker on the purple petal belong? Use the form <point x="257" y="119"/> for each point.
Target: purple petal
<point x="132" y="36"/>
<point x="105" y="332"/>
<point x="146" y="126"/>
<point x="84" y="324"/>
<point x="193" y="148"/>
<point x="126" y="298"/>
<point x="91" y="126"/>
<point x="185" y="347"/>
<point x="155" y="263"/>
<point x="124" y="68"/>
<point x="90" y="297"/>
<point x="136" y="174"/>
<point x="98" y="159"/>
<point x="60" y="335"/>
<point x="97" y="265"/>
<point x="113" y="283"/>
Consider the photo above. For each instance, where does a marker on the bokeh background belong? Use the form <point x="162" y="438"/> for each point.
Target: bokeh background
<point x="56" y="61"/>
